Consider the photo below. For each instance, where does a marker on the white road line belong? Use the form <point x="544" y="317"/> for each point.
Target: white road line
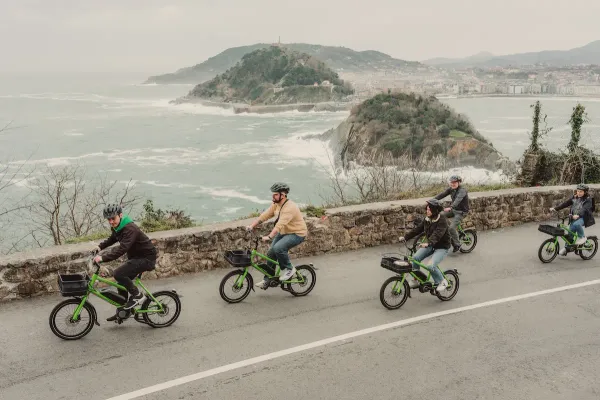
<point x="271" y="356"/>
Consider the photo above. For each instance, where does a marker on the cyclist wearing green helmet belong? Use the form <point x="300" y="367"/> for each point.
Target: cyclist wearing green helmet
<point x="582" y="213"/>
<point x="458" y="209"/>
<point x="289" y="231"/>
<point x="435" y="226"/>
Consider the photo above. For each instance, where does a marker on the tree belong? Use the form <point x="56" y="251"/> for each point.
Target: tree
<point x="578" y="118"/>
<point x="68" y="206"/>
<point x="12" y="174"/>
<point x="536" y="134"/>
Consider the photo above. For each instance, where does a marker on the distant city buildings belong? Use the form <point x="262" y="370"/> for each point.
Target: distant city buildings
<point x="579" y="80"/>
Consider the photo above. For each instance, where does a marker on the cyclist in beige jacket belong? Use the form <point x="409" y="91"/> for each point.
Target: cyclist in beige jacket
<point x="290" y="230"/>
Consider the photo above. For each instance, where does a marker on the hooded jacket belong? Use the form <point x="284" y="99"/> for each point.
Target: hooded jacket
<point x="131" y="240"/>
<point x="436" y="231"/>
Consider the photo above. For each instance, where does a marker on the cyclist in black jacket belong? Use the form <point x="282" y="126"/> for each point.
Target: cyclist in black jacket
<point x="435" y="227"/>
<point x="457" y="210"/>
<point x="141" y="253"/>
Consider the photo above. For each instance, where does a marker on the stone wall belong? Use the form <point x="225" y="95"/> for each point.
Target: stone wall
<point x="192" y="250"/>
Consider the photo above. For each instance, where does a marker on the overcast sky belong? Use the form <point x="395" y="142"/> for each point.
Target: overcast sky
<point x="160" y="36"/>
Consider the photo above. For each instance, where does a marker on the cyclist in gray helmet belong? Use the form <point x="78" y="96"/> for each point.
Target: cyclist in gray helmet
<point x="582" y="213"/>
<point x="435" y="226"/>
<point x="141" y="253"/>
<point x="458" y="209"/>
<point x="289" y="231"/>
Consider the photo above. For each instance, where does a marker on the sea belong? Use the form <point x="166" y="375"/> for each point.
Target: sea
<point x="207" y="161"/>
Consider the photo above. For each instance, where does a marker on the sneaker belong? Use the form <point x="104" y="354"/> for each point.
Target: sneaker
<point x="262" y="284"/>
<point x="287" y="274"/>
<point x="563" y="252"/>
<point x="455" y="248"/>
<point x="442" y="286"/>
<point x="581" y="241"/>
<point x="134" y="301"/>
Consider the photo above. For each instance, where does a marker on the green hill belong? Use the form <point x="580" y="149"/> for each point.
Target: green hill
<point x="275" y="75"/>
<point x="404" y="125"/>
<point x="337" y="58"/>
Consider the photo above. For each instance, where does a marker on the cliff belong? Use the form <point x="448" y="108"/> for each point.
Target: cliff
<point x="410" y="127"/>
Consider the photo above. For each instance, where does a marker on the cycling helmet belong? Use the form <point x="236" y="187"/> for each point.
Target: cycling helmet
<point x="455" y="178"/>
<point x="111" y="210"/>
<point x="583" y="186"/>
<point x="279" y="187"/>
<point x="435" y="206"/>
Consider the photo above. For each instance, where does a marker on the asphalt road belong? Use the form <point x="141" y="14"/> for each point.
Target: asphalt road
<point x="541" y="347"/>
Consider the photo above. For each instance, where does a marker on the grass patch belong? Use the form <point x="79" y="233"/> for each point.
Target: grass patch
<point x="457" y="134"/>
<point x="314" y="211"/>
<point x="89" y="238"/>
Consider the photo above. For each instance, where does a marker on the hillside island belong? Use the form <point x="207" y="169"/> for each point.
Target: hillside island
<point x="412" y="131"/>
<point x="275" y="79"/>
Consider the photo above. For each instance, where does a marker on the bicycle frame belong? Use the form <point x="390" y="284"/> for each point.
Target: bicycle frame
<point x="399" y="284"/>
<point x="254" y="255"/>
<point x="92" y="290"/>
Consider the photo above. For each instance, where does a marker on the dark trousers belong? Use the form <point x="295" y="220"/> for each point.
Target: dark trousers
<point x="125" y="274"/>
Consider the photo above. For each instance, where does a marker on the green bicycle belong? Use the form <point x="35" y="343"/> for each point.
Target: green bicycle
<point x="550" y="247"/>
<point x="400" y="289"/>
<point x="467" y="237"/>
<point x="79" y="315"/>
<point x="240" y="281"/>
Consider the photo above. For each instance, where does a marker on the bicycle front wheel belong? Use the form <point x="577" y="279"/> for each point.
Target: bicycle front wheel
<point x="393" y="294"/>
<point x="65" y="327"/>
<point x="234" y="288"/>
<point x="548" y="251"/>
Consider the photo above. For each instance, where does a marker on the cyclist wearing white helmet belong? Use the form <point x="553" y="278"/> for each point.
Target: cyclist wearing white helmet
<point x="290" y="230"/>
<point x="582" y="210"/>
<point x="458" y="209"/>
<point x="435" y="226"/>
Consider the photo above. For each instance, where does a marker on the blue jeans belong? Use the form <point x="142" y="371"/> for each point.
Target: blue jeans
<point x="279" y="250"/>
<point x="438" y="256"/>
<point x="577" y="227"/>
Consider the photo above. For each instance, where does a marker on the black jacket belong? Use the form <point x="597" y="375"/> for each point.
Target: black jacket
<point x="436" y="231"/>
<point x="588" y="210"/>
<point x="131" y="240"/>
<point x="459" y="196"/>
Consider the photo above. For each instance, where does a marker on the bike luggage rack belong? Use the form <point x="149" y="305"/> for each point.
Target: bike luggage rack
<point x="73" y="284"/>
<point x="238" y="258"/>
<point x="551" y="230"/>
<point x="387" y="262"/>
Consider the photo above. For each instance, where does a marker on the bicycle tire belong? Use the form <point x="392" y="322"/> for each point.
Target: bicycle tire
<point x="595" y="250"/>
<point x="469" y="249"/>
<point x="248" y="287"/>
<point x="313" y="274"/>
<point x="52" y="319"/>
<point x="456" y="286"/>
<point x="148" y="301"/>
<point x="542" y="248"/>
<point x="382" y="293"/>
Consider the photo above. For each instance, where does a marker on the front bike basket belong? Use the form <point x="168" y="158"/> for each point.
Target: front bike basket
<point x="395" y="264"/>
<point x="73" y="284"/>
<point x="238" y="258"/>
<point x="551" y="230"/>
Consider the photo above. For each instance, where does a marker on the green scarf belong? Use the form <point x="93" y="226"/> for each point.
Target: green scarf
<point x="124" y="221"/>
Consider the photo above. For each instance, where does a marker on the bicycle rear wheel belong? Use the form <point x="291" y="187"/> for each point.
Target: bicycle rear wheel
<point x="309" y="278"/>
<point x="171" y="305"/>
